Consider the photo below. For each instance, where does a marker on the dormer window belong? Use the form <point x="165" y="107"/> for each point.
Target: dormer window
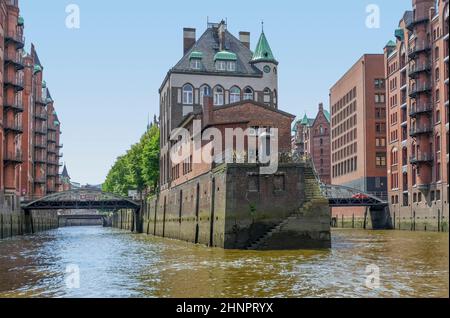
<point x="225" y="61"/>
<point x="196" y="64"/>
<point x="195" y="59"/>
<point x="221" y="65"/>
<point x="231" y="66"/>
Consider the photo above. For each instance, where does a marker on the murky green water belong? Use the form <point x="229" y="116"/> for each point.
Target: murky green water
<point x="113" y="263"/>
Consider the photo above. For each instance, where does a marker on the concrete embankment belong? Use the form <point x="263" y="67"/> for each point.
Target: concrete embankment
<point x="14" y="223"/>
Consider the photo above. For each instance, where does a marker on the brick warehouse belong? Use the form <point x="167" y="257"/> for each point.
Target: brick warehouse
<point x="358" y="133"/>
<point x="29" y="125"/>
<point x="312" y="138"/>
<point x="418" y="131"/>
<point x="221" y="81"/>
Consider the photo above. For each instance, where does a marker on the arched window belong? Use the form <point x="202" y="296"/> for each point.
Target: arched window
<point x="248" y="93"/>
<point x="235" y="94"/>
<point x="218" y="96"/>
<point x="275" y="97"/>
<point x="188" y="94"/>
<point x="205" y="90"/>
<point x="267" y="96"/>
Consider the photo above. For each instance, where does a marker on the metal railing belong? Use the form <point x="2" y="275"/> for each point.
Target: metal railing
<point x="420" y="108"/>
<point x="422" y="67"/>
<point x="421" y="158"/>
<point x="13" y="156"/>
<point x="13" y="126"/>
<point x="15" y="81"/>
<point x="421" y="129"/>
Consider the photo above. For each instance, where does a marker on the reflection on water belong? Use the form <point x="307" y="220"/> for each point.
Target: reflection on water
<point x="114" y="263"/>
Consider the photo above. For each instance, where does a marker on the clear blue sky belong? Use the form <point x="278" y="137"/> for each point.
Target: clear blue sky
<point x="104" y="77"/>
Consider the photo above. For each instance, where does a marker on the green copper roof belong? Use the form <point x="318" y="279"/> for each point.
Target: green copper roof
<point x="20" y="21"/>
<point x="327" y="114"/>
<point x="44" y="84"/>
<point x="56" y="123"/>
<point x="305" y="120"/>
<point x="196" y="55"/>
<point x="400" y="34"/>
<point x="225" y="56"/>
<point x="391" y="44"/>
<point x="37" y="69"/>
<point x="263" y="52"/>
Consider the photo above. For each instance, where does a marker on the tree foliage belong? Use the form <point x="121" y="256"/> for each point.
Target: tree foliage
<point x="138" y="169"/>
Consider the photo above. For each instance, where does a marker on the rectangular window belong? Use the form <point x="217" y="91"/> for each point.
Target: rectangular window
<point x="231" y="66"/>
<point x="221" y="65"/>
<point x="381" y="159"/>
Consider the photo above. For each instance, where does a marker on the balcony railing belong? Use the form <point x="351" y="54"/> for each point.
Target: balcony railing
<point x="420" y="109"/>
<point x="418" y="48"/>
<point x="14" y="157"/>
<point x="60" y="146"/>
<point x="14" y="81"/>
<point x="41" y="101"/>
<point x="40" y="130"/>
<point x="15" y="59"/>
<point x="51" y="139"/>
<point x="419" y="89"/>
<point x="41" y="115"/>
<point x="40" y="180"/>
<point x="40" y="145"/>
<point x="16" y="106"/>
<point x="52" y="151"/>
<point x="416" y="21"/>
<point x="14" y="127"/>
<point x="421" y="130"/>
<point x="421" y="158"/>
<point x="419" y="68"/>
<point x="17" y="38"/>
<point x="40" y="159"/>
<point x="53" y="162"/>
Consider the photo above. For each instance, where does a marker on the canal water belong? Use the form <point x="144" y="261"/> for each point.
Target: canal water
<point x="104" y="262"/>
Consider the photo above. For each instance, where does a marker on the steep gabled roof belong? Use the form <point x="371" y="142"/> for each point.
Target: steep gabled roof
<point x="207" y="47"/>
<point x="263" y="52"/>
<point x="64" y="173"/>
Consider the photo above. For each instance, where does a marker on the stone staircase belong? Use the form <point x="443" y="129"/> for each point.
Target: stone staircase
<point x="314" y="200"/>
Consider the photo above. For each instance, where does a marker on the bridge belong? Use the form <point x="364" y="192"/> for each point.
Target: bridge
<point x="83" y="199"/>
<point x="341" y="196"/>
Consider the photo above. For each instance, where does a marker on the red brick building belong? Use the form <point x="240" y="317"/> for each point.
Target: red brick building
<point x="29" y="127"/>
<point x="312" y="137"/>
<point x="417" y="76"/>
<point x="358" y="130"/>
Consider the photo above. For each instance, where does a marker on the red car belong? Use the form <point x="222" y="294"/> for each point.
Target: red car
<point x="360" y="196"/>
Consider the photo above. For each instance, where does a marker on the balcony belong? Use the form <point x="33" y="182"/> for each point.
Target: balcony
<point x="53" y="162"/>
<point x="60" y="155"/>
<point x="41" y="115"/>
<point x="40" y="180"/>
<point x="16" y="106"/>
<point x="14" y="82"/>
<point x="40" y="130"/>
<point x="15" y="59"/>
<point x="415" y="110"/>
<point x="41" y="101"/>
<point x="417" y="49"/>
<point x="422" y="88"/>
<point x="17" y="38"/>
<point x="40" y="159"/>
<point x="51" y="139"/>
<point x="52" y="151"/>
<point x="60" y="146"/>
<point x="421" y="130"/>
<point x="421" y="158"/>
<point x="13" y="127"/>
<point x="51" y="173"/>
<point x="40" y="144"/>
<point x="13" y="157"/>
<point x="410" y="25"/>
<point x="415" y="70"/>
<point x="51" y="128"/>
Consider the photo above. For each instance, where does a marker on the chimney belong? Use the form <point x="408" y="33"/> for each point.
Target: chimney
<point x="188" y="39"/>
<point x="221" y="30"/>
<point x="321" y="107"/>
<point x="244" y="37"/>
<point x="208" y="117"/>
